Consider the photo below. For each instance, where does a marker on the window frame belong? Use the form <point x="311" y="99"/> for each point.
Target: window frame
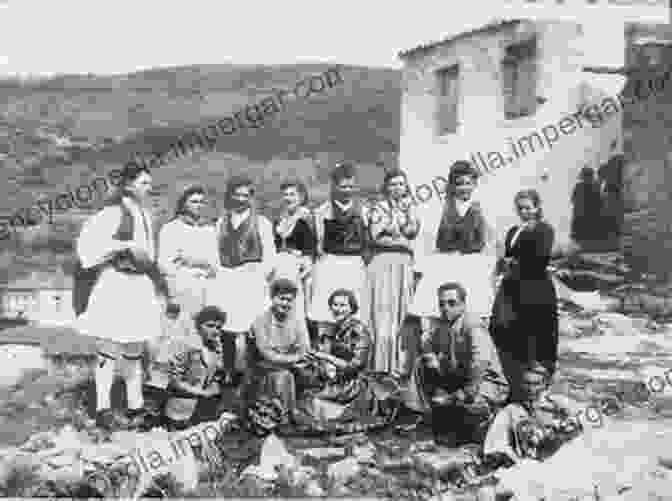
<point x="452" y="72"/>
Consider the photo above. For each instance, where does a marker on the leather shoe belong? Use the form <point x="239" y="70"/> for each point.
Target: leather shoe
<point x="138" y="418"/>
<point x="110" y="420"/>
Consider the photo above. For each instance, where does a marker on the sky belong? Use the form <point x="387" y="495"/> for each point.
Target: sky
<point x="81" y="36"/>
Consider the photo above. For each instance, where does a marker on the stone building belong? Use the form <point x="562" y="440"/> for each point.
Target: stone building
<point x="647" y="186"/>
<point x="497" y="95"/>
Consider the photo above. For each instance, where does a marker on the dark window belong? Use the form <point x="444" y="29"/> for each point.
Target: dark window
<point x="448" y="99"/>
<point x="519" y="79"/>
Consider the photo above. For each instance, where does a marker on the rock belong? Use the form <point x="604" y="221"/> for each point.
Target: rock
<point x="423" y="446"/>
<point x="340" y="490"/>
<point x="301" y="475"/>
<point x="344" y="470"/>
<point x="16" y="360"/>
<point x="444" y="496"/>
<point x="345" y="440"/>
<point x="71" y="473"/>
<point x="364" y="453"/>
<point x="312" y="489"/>
<point x="325" y="452"/>
<point x="486" y="493"/>
<point x="273" y="456"/>
<point x="442" y="462"/>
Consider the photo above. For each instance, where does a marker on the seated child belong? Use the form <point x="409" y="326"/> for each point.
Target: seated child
<point x="535" y="426"/>
<point x="202" y="381"/>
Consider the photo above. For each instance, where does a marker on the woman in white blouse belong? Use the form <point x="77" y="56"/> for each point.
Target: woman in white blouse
<point x="188" y="255"/>
<point x="125" y="305"/>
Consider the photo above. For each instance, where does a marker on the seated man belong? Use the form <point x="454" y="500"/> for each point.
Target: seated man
<point x="281" y="341"/>
<point x="459" y="375"/>
<point x="535" y="425"/>
<point x="202" y="381"/>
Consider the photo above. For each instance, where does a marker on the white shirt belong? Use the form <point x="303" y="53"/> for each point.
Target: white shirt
<point x="237" y="218"/>
<point x="178" y="238"/>
<point x="462" y="206"/>
<point x="343" y="206"/>
<point x="96" y="243"/>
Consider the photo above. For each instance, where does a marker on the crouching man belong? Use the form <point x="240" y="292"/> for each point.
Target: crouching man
<point x="459" y="375"/>
<point x="203" y="381"/>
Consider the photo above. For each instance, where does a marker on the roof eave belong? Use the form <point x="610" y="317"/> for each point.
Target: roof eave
<point x="493" y="26"/>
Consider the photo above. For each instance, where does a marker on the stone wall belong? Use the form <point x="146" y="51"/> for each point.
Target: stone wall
<point x="648" y="152"/>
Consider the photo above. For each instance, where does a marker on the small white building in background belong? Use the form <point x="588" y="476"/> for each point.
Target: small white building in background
<point x="482" y="90"/>
<point x="43" y="298"/>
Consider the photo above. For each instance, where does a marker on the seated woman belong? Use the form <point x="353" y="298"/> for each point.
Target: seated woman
<point x="337" y="394"/>
<point x="202" y="382"/>
<point x="280" y="341"/>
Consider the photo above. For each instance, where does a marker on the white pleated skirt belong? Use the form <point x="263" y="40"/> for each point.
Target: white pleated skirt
<point x="241" y="292"/>
<point x="288" y="266"/>
<point x="473" y="271"/>
<point x="123" y="308"/>
<point x="191" y="295"/>
<point x="336" y="272"/>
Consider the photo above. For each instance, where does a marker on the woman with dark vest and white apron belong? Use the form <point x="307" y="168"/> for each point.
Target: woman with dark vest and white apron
<point x="246" y="255"/>
<point x="341" y="228"/>
<point x="123" y="306"/>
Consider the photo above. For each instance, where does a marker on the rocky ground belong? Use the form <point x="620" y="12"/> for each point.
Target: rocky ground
<point x="615" y="350"/>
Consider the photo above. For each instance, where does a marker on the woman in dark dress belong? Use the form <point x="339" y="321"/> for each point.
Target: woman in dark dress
<point x="587" y="213"/>
<point x="295" y="241"/>
<point x="524" y="323"/>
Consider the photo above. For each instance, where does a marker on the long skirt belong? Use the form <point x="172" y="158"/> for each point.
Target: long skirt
<point x="123" y="308"/>
<point x="388" y="294"/>
<point x="288" y="266"/>
<point x="473" y="271"/>
<point x="242" y="293"/>
<point x="524" y="325"/>
<point x="336" y="272"/>
<point x="359" y="404"/>
<point x="190" y="293"/>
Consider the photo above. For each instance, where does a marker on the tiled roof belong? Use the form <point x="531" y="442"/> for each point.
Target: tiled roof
<point x="491" y="26"/>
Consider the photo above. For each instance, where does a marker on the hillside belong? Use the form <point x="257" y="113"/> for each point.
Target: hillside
<point x="59" y="133"/>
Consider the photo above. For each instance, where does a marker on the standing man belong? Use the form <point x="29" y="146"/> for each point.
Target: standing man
<point x="118" y="293"/>
<point x="246" y="251"/>
<point x="459" y="376"/>
<point x="341" y="229"/>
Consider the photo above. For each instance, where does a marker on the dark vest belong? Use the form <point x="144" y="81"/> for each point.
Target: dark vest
<point x="85" y="279"/>
<point x="241" y="245"/>
<point x="463" y="234"/>
<point x="456" y="345"/>
<point x="345" y="233"/>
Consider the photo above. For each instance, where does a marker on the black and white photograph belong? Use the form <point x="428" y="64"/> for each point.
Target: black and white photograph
<point x="347" y="251"/>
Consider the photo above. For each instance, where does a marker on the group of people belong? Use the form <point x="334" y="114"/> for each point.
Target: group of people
<point x="597" y="204"/>
<point x="300" y="322"/>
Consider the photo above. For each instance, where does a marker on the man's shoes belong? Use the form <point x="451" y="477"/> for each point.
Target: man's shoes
<point x="138" y="418"/>
<point x="110" y="420"/>
<point x="446" y="440"/>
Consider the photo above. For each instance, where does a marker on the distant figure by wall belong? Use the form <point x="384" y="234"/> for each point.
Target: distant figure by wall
<point x="586" y="228"/>
<point x="611" y="181"/>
